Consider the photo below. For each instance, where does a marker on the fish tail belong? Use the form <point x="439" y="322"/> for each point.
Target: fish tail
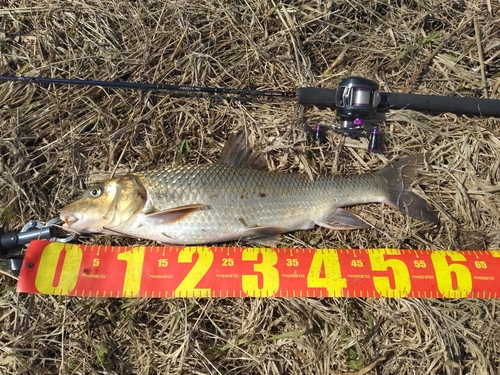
<point x="400" y="176"/>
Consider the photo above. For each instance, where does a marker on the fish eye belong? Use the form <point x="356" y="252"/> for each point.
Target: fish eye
<point x="95" y="192"/>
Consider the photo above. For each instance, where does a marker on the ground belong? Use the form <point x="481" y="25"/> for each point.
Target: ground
<point x="56" y="140"/>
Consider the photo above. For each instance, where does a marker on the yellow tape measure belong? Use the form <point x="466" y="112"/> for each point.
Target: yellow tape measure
<point x="167" y="272"/>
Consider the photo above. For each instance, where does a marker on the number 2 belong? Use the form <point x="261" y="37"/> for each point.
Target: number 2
<point x="187" y="287"/>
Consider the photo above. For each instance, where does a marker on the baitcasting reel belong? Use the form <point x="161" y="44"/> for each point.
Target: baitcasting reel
<point x="357" y="98"/>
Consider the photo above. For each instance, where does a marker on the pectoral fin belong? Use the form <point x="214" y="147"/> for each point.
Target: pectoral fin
<point x="176" y="213"/>
<point x="341" y="219"/>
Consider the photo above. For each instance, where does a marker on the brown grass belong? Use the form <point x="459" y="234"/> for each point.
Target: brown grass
<point x="55" y="140"/>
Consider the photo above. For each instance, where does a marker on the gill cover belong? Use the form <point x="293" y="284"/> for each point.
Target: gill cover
<point x="129" y="199"/>
<point x="106" y="206"/>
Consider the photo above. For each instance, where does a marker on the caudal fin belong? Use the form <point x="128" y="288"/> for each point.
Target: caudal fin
<point x="400" y="176"/>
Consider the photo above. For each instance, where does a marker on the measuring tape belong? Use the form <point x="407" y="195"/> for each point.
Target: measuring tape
<point x="168" y="272"/>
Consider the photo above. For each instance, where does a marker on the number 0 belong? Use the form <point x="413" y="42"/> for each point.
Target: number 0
<point x="45" y="278"/>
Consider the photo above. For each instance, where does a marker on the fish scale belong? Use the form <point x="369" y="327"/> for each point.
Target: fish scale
<point x="236" y="199"/>
<point x="241" y="198"/>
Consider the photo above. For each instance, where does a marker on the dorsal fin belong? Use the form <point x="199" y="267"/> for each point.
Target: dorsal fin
<point x="238" y="154"/>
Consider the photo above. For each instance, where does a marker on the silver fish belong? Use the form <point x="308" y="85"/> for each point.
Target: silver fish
<point x="237" y="198"/>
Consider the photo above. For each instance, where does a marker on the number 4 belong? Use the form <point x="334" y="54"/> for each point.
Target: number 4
<point x="331" y="279"/>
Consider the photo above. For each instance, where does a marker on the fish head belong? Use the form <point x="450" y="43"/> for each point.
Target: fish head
<point x="106" y="207"/>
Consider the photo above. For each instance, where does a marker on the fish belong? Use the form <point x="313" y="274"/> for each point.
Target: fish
<point x="238" y="199"/>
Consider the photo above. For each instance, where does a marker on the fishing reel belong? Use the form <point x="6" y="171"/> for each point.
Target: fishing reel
<point x="357" y="98"/>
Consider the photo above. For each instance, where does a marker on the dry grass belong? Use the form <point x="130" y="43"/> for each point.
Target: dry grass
<point x="55" y="140"/>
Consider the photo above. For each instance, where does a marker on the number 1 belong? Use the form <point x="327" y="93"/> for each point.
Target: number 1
<point x="133" y="271"/>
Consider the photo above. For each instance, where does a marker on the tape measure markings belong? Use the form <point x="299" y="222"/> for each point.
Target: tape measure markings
<point x="166" y="272"/>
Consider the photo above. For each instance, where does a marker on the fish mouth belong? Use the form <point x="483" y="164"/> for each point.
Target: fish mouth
<point x="69" y="220"/>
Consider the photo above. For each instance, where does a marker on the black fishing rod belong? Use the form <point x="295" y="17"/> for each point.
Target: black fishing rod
<point x="147" y="86"/>
<point x="355" y="99"/>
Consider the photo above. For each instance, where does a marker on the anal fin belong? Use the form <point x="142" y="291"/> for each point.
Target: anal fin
<point x="266" y="236"/>
<point x="341" y="219"/>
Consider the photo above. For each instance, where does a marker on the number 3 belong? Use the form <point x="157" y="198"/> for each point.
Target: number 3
<point x="270" y="275"/>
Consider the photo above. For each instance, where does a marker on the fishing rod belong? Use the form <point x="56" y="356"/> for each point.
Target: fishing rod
<point x="355" y="100"/>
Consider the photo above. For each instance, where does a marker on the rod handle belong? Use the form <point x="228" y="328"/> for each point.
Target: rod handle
<point x="317" y="96"/>
<point x="452" y="104"/>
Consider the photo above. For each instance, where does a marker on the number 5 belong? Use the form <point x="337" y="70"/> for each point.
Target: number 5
<point x="402" y="283"/>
